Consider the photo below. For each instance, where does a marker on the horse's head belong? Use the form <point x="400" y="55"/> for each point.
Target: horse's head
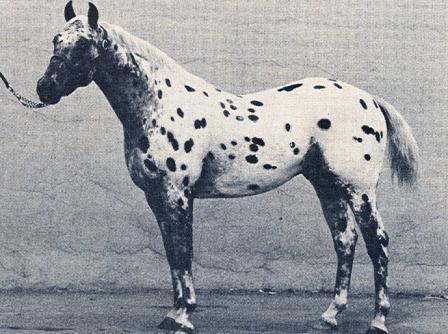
<point x="74" y="58"/>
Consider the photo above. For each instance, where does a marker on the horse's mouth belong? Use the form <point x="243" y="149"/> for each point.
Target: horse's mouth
<point x="50" y="98"/>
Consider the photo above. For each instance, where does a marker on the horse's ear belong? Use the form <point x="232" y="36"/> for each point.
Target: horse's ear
<point x="69" y="13"/>
<point x="93" y="15"/>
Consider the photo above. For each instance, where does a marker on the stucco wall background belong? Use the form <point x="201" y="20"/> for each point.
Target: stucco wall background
<point x="70" y="217"/>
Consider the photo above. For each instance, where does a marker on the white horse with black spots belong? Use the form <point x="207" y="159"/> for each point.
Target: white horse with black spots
<point x="185" y="139"/>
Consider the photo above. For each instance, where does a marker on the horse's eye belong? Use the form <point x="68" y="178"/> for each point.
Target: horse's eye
<point x="105" y="44"/>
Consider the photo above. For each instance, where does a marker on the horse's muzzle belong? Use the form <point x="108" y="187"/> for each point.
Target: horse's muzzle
<point x="47" y="91"/>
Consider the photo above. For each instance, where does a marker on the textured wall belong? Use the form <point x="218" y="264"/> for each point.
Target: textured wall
<point x="70" y="216"/>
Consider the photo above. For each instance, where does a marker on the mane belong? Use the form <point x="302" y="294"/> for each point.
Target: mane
<point x="140" y="47"/>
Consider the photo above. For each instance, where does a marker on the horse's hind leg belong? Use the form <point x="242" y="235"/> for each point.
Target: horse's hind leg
<point x="333" y="198"/>
<point x="369" y="220"/>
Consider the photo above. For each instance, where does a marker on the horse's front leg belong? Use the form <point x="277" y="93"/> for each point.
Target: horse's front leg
<point x="174" y="214"/>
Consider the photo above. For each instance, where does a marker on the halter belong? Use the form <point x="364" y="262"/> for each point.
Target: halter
<point x="105" y="43"/>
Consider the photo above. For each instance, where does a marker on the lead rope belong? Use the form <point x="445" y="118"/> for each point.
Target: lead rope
<point x="23" y="100"/>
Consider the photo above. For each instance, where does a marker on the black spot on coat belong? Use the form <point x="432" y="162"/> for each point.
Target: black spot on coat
<point x="252" y="110"/>
<point x="290" y="87"/>
<point x="188" y="145"/>
<point x="258" y="141"/>
<point x="253" y="147"/>
<point x="252" y="159"/>
<point x="371" y="131"/>
<point x="168" y="82"/>
<point x="253" y="118"/>
<point x="171" y="164"/>
<point x="226" y="113"/>
<point x="337" y="85"/>
<point x="180" y="112"/>
<point x="319" y="87"/>
<point x="288" y="127"/>
<point x="173" y="141"/>
<point x="367" y="157"/>
<point x="239" y="118"/>
<point x="253" y="187"/>
<point x="363" y="104"/>
<point x="324" y="124"/>
<point x="186" y="181"/>
<point x="200" y="123"/>
<point x="256" y="103"/>
<point x="189" y="88"/>
<point x="160" y="94"/>
<point x="269" y="166"/>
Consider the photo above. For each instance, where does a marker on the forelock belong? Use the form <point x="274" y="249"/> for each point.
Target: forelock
<point x="77" y="24"/>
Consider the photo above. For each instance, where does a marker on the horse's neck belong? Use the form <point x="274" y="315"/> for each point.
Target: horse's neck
<point x="126" y="74"/>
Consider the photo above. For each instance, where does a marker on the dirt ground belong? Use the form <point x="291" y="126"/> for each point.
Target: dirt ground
<point x="231" y="313"/>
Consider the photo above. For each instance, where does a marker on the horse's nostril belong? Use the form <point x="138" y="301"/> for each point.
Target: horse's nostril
<point x="45" y="86"/>
<point x="46" y="89"/>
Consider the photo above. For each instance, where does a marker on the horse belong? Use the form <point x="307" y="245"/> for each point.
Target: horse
<point x="185" y="139"/>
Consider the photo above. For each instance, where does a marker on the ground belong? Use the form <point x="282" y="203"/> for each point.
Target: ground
<point x="219" y="312"/>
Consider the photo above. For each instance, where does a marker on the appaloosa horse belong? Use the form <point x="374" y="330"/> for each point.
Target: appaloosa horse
<point x="185" y="139"/>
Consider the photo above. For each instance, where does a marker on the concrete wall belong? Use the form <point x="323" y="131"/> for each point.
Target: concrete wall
<point x="70" y="216"/>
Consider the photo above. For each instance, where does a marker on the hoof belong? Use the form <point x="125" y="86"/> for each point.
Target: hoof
<point x="184" y="330"/>
<point x="374" y="330"/>
<point x="171" y="325"/>
<point x="324" y="326"/>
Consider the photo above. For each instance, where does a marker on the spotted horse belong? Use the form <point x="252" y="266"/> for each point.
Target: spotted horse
<point x="186" y="139"/>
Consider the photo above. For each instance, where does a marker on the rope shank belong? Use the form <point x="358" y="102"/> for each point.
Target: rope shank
<point x="23" y="100"/>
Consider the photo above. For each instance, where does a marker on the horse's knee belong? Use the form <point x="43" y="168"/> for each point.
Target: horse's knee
<point x="345" y="242"/>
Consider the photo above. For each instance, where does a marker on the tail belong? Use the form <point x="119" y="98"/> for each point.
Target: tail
<point x="403" y="149"/>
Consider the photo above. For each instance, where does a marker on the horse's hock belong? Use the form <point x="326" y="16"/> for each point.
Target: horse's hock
<point x="71" y="217"/>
